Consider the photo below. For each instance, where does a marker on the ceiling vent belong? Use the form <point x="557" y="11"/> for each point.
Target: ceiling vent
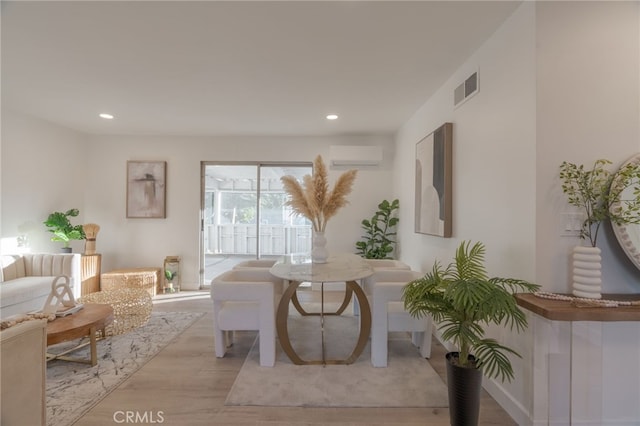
<point x="350" y="155"/>
<point x="466" y="90"/>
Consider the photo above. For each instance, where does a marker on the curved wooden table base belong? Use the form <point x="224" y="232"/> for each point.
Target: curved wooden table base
<point x="283" y="331"/>
<point x="347" y="298"/>
<point x="87" y="322"/>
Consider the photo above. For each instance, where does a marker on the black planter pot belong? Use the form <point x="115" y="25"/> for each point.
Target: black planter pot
<point x="465" y="385"/>
<point x="65" y="249"/>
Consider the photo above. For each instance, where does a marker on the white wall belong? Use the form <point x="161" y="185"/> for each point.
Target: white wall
<point x="588" y="97"/>
<point x="145" y="242"/>
<point x="493" y="156"/>
<point x="48" y="168"/>
<point x="494" y="138"/>
<point x="43" y="170"/>
<point x="587" y="108"/>
<point x="558" y="81"/>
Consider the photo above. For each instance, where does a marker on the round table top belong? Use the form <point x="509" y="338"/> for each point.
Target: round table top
<point x="80" y="323"/>
<point x="339" y="267"/>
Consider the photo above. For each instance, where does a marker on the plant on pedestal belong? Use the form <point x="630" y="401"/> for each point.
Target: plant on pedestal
<point x="462" y="300"/>
<point x="62" y="229"/>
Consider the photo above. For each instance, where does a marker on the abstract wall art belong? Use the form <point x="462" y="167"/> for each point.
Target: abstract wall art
<point x="433" y="182"/>
<point x="146" y="189"/>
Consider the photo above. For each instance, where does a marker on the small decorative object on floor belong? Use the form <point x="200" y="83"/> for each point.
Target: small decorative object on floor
<point x="171" y="274"/>
<point x="60" y="300"/>
<point x="314" y="201"/>
<point x="91" y="232"/>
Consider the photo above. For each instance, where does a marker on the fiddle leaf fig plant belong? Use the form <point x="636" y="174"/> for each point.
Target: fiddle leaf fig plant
<point x="379" y="240"/>
<point x="62" y="229"/>
<point x="462" y="300"/>
<point x="592" y="191"/>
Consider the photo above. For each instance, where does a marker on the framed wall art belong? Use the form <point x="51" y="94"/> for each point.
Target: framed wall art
<point x="146" y="189"/>
<point x="433" y="182"/>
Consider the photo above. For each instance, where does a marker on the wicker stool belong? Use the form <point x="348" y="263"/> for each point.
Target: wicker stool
<point x="146" y="278"/>
<point x="131" y="307"/>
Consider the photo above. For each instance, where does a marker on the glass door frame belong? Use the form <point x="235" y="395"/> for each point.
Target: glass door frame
<point x="258" y="165"/>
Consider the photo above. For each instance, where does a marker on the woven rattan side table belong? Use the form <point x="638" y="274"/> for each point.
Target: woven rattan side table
<point x="146" y="278"/>
<point x="131" y="307"/>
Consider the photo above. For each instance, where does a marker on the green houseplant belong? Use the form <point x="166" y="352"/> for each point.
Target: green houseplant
<point x="598" y="193"/>
<point x="462" y="300"/>
<point x="62" y="229"/>
<point x="378" y="241"/>
<point x="591" y="191"/>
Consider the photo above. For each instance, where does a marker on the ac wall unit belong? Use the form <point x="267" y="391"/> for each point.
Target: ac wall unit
<point x="354" y="155"/>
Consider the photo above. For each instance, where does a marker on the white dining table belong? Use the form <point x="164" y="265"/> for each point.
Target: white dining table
<point x="297" y="269"/>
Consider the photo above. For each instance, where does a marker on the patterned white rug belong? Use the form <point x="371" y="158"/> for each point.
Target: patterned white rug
<point x="408" y="381"/>
<point x="74" y="388"/>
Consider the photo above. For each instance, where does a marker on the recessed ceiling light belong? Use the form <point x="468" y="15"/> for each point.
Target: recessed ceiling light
<point x="332" y="117"/>
<point x="106" y="116"/>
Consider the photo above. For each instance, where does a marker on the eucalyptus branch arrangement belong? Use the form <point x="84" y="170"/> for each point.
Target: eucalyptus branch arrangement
<point x="593" y="191"/>
<point x="625" y="195"/>
<point x="313" y="199"/>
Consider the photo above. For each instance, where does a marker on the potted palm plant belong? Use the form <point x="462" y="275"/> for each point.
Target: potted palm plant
<point x="62" y="229"/>
<point x="462" y="300"/>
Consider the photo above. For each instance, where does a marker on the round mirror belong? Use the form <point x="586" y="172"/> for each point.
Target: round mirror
<point x="628" y="234"/>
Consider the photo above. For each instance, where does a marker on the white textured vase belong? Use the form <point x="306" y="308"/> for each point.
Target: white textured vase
<point x="319" y="251"/>
<point x="587" y="280"/>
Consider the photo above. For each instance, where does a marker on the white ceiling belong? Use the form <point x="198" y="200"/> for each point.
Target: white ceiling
<point x="241" y="68"/>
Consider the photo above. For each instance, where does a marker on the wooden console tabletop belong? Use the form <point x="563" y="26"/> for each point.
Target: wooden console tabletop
<point x="559" y="310"/>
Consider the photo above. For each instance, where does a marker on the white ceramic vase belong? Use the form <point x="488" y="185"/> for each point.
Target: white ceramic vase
<point x="587" y="280"/>
<point x="319" y="251"/>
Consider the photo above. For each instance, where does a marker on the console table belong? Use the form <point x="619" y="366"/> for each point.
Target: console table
<point x="341" y="267"/>
<point x="585" y="367"/>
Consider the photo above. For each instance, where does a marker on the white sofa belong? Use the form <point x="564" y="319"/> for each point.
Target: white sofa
<point x="23" y="374"/>
<point x="25" y="280"/>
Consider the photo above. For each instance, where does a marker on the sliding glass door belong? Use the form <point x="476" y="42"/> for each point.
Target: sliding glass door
<point x="243" y="215"/>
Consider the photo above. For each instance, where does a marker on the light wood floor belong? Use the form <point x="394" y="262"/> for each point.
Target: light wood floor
<point x="188" y="385"/>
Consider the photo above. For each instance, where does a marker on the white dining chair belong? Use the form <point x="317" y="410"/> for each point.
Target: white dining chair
<point x="388" y="314"/>
<point x="379" y="265"/>
<point x="246" y="299"/>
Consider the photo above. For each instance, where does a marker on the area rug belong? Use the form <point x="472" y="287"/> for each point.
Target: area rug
<point x="408" y="381"/>
<point x="73" y="388"/>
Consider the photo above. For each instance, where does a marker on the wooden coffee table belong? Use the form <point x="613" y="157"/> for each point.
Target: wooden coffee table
<point x="84" y="323"/>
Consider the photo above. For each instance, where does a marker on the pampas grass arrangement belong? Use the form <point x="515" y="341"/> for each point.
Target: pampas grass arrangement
<point x="313" y="199"/>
